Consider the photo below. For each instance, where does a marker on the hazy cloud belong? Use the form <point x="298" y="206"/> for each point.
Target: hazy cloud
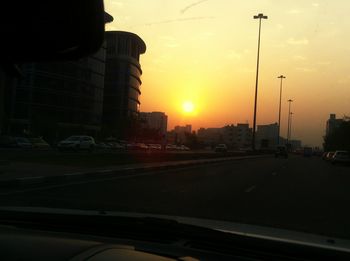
<point x="305" y="69"/>
<point x="117" y="3"/>
<point x="295" y="11"/>
<point x="299" y="57"/>
<point x="186" y="8"/>
<point x="181" y="20"/>
<point x="293" y="41"/>
<point x="233" y="55"/>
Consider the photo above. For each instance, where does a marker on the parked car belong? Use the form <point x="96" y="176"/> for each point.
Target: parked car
<point x="221" y="148"/>
<point x="154" y="146"/>
<point x="23" y="143"/>
<point x="137" y="147"/>
<point x="330" y="155"/>
<point x="7" y="142"/>
<point x="341" y="156"/>
<point x="170" y="147"/>
<point x="39" y="143"/>
<point x="324" y="155"/>
<point x="281" y="151"/>
<point x="77" y="143"/>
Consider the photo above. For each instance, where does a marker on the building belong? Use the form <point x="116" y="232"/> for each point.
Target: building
<point x="58" y="99"/>
<point x="155" y="120"/>
<point x="332" y="124"/>
<point x="179" y="134"/>
<point x="122" y="81"/>
<point x="234" y="137"/>
<point x="210" y="136"/>
<point x="244" y="135"/>
<point x="267" y="136"/>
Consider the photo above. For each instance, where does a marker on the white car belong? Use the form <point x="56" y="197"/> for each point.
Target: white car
<point x="77" y="143"/>
<point x="340" y="156"/>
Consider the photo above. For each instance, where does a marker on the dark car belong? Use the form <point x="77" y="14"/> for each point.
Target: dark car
<point x="341" y="156"/>
<point x="221" y="148"/>
<point x="39" y="143"/>
<point x="281" y="151"/>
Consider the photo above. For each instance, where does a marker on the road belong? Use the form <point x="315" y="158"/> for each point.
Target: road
<point x="304" y="194"/>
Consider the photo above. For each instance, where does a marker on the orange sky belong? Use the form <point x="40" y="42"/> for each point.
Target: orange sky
<point x="205" y="52"/>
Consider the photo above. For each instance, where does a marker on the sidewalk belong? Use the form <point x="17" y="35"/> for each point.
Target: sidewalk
<point x="18" y="173"/>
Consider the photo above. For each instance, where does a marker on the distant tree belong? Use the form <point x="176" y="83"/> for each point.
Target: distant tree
<point x="339" y="139"/>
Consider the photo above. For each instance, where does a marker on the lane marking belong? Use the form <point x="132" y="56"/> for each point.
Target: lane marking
<point x="250" y="189"/>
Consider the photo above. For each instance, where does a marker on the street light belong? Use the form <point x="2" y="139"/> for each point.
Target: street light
<point x="259" y="16"/>
<point x="288" y="128"/>
<point x="279" y="112"/>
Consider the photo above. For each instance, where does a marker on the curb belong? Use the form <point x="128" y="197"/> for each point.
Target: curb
<point x="109" y="173"/>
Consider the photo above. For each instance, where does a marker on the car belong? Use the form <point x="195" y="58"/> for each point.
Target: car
<point x="330" y="155"/>
<point x="23" y="143"/>
<point x="39" y="143"/>
<point x="7" y="142"/>
<point x="170" y="147"/>
<point x="341" y="156"/>
<point x="281" y="151"/>
<point x="221" y="148"/>
<point x="154" y="146"/>
<point x="77" y="143"/>
<point x="324" y="155"/>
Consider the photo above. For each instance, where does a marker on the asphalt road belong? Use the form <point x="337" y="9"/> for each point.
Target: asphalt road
<point x="304" y="194"/>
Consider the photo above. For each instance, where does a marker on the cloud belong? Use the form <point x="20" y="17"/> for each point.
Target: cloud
<point x="186" y="8"/>
<point x="117" y="3"/>
<point x="305" y="69"/>
<point x="233" y="55"/>
<point x="295" y="11"/>
<point x="180" y="20"/>
<point x="293" y="41"/>
<point x="299" y="57"/>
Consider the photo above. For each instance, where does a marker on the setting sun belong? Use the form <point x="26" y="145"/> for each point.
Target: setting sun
<point x="188" y="107"/>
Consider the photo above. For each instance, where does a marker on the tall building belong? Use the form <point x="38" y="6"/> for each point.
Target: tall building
<point x="122" y="81"/>
<point x="155" y="120"/>
<point x="244" y="135"/>
<point x="267" y="136"/>
<point x="332" y="124"/>
<point x="59" y="98"/>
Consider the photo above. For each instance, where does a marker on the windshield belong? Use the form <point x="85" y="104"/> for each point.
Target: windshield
<point x="222" y="110"/>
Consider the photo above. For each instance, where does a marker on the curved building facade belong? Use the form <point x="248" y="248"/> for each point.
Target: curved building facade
<point x="122" y="79"/>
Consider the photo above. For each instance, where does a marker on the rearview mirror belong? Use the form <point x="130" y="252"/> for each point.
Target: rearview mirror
<point x="46" y="30"/>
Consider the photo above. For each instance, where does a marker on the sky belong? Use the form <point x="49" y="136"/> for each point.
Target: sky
<point x="203" y="54"/>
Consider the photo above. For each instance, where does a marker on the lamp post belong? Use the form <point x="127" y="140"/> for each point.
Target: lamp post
<point x="279" y="111"/>
<point x="259" y="16"/>
<point x="288" y="128"/>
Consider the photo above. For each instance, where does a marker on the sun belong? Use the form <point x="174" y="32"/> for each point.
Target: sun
<point x="188" y="107"/>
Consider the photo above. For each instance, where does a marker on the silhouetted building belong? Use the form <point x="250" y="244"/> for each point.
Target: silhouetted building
<point x="58" y="99"/>
<point x="266" y="136"/>
<point x="155" y="120"/>
<point x="332" y="124"/>
<point x="210" y="136"/>
<point x="122" y="81"/>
